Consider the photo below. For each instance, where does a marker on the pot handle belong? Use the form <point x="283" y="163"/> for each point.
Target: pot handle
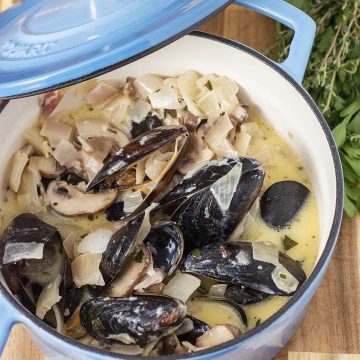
<point x="7" y="321"/>
<point x="303" y="26"/>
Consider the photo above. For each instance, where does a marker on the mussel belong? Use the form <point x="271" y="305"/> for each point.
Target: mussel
<point x="135" y="320"/>
<point x="166" y="243"/>
<point x="212" y="200"/>
<point x="281" y="203"/>
<point x="136" y="150"/>
<point x="31" y="256"/>
<point x="257" y="266"/>
<point x="121" y="245"/>
<point x="118" y="171"/>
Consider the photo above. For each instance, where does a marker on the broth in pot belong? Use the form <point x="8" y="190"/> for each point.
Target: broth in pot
<point x="160" y="217"/>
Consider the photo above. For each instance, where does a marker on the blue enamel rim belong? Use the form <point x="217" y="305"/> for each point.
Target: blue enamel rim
<point x="325" y="257"/>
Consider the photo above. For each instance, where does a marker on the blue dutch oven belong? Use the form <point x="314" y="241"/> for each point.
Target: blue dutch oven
<point x="47" y="44"/>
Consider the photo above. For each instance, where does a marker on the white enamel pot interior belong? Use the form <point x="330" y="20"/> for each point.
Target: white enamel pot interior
<point x="280" y="101"/>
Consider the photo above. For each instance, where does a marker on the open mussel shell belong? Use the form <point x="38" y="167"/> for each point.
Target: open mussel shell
<point x="135" y="320"/>
<point x="120" y="246"/>
<point x="213" y="309"/>
<point x="281" y="203"/>
<point x="136" y="150"/>
<point x="166" y="243"/>
<point x="234" y="263"/>
<point x="212" y="200"/>
<point x="22" y="273"/>
<point x="198" y="328"/>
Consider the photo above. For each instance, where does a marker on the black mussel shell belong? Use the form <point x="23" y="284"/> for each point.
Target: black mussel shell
<point x="221" y="262"/>
<point x="211" y="201"/>
<point x="166" y="243"/>
<point x="116" y="211"/>
<point x="200" y="328"/>
<point x="120" y="246"/>
<point x="244" y="296"/>
<point x="281" y="202"/>
<point x="26" y="277"/>
<point x="134" y="151"/>
<point x="149" y="123"/>
<point x="143" y="318"/>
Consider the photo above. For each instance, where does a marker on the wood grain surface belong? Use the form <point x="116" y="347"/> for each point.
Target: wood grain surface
<point x="332" y="324"/>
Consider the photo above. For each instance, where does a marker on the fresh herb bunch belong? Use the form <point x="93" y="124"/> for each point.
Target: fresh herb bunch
<point x="333" y="80"/>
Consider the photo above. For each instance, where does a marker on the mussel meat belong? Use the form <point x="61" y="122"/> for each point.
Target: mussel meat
<point x="135" y="320"/>
<point x="166" y="243"/>
<point x="281" y="203"/>
<point x="212" y="200"/>
<point x="248" y="265"/>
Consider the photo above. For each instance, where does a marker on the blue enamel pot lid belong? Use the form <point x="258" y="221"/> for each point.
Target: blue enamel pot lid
<point x="46" y="43"/>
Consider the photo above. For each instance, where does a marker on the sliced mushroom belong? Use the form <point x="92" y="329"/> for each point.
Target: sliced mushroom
<point x="219" y="334"/>
<point x="133" y="273"/>
<point x="67" y="200"/>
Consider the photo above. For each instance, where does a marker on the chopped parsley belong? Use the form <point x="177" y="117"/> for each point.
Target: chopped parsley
<point x="288" y="243"/>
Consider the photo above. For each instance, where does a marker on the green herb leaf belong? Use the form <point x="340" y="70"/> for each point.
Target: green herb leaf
<point x="196" y="253"/>
<point x="288" y="243"/>
<point x="139" y="256"/>
<point x="209" y="85"/>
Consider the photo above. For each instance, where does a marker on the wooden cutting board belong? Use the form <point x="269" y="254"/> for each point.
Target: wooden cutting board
<point x="332" y="324"/>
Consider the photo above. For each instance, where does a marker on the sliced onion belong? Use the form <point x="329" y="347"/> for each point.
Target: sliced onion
<point x="189" y="91"/>
<point x="205" y="83"/>
<point x="242" y="142"/>
<point x="227" y="97"/>
<point x="85" y="270"/>
<point x="101" y="93"/>
<point x="218" y="290"/>
<point x="20" y="251"/>
<point x="71" y="100"/>
<point x="70" y="243"/>
<point x="18" y="163"/>
<point x="145" y="225"/>
<point x="185" y="327"/>
<point x="284" y="280"/>
<point x="66" y="154"/>
<point x="182" y="286"/>
<point x="209" y="103"/>
<point x="55" y="131"/>
<point x="49" y="296"/>
<point x="217" y="335"/>
<point x="88" y="128"/>
<point x="140" y="171"/>
<point x="165" y="98"/>
<point x="42" y="164"/>
<point x="59" y="317"/>
<point x="101" y="145"/>
<point x="96" y="242"/>
<point x="117" y="111"/>
<point x="240" y="114"/>
<point x="266" y="252"/>
<point x="33" y="137"/>
<point x="148" y="84"/>
<point x="156" y="163"/>
<point x="90" y="162"/>
<point x="139" y="111"/>
<point x="131" y="199"/>
<point x="253" y="129"/>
